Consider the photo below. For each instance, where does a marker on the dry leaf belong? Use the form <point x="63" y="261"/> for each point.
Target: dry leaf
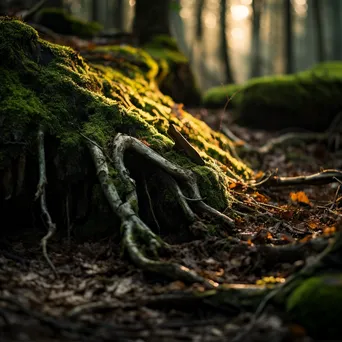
<point x="299" y="197"/>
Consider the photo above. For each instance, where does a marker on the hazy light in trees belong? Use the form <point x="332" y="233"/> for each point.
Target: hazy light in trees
<point x="238" y="34"/>
<point x="210" y="20"/>
<point x="246" y="2"/>
<point x="300" y="7"/>
<point x="239" y="12"/>
<point x="185" y="13"/>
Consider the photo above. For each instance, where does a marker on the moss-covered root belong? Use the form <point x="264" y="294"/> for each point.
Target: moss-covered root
<point x="42" y="195"/>
<point x="135" y="230"/>
<point x="187" y="177"/>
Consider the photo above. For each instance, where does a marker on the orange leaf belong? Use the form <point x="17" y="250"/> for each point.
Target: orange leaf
<point x="259" y="175"/>
<point x="329" y="230"/>
<point x="299" y="197"/>
<point x="232" y="185"/>
<point x="313" y="225"/>
<point x="260" y="198"/>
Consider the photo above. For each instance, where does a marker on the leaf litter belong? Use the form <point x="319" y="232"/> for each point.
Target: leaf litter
<point x="107" y="299"/>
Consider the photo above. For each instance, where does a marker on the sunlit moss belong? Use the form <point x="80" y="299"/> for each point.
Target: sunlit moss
<point x="308" y="99"/>
<point x="48" y="85"/>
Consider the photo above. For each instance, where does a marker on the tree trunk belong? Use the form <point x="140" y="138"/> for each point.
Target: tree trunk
<point x="151" y="19"/>
<point x="199" y="23"/>
<point x="119" y="15"/>
<point x="317" y="11"/>
<point x="289" y="69"/>
<point x="337" y="29"/>
<point x="229" y="78"/>
<point x="257" y="6"/>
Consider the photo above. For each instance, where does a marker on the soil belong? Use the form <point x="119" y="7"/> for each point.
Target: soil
<point x="99" y="295"/>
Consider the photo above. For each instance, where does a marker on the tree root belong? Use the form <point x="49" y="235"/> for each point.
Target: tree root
<point x="323" y="177"/>
<point x="41" y="193"/>
<point x="133" y="227"/>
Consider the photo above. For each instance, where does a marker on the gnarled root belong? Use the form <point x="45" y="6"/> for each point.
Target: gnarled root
<point x="135" y="230"/>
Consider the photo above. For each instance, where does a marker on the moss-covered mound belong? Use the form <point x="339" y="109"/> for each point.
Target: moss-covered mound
<point x="316" y="304"/>
<point x="50" y="86"/>
<point x="308" y="99"/>
<point x="175" y="77"/>
<point x="62" y="22"/>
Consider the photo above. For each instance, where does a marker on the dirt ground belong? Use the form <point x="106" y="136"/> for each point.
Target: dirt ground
<point x="101" y="296"/>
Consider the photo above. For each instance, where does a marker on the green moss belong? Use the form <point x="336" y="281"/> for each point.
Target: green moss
<point x="218" y="97"/>
<point x="52" y="86"/>
<point x="309" y="99"/>
<point x="163" y="41"/>
<point x="62" y="22"/>
<point x="128" y="58"/>
<point x="316" y="304"/>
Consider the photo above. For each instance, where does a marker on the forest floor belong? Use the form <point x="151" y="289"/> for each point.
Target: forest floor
<point x="101" y="296"/>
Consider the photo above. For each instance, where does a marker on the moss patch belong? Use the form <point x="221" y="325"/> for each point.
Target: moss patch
<point x="309" y="99"/>
<point x="316" y="304"/>
<point x="51" y="86"/>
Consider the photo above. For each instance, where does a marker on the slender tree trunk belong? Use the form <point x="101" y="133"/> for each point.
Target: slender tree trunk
<point x="289" y="69"/>
<point x="317" y="10"/>
<point x="257" y="6"/>
<point x="199" y="23"/>
<point x="95" y="11"/>
<point x="151" y="18"/>
<point x="224" y="44"/>
<point x="119" y="15"/>
<point x="337" y="29"/>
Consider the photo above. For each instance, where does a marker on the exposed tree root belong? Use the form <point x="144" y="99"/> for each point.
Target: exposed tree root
<point x="41" y="193"/>
<point x="323" y="177"/>
<point x="135" y="231"/>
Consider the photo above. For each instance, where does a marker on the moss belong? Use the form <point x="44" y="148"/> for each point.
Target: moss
<point x="62" y="22"/>
<point x="217" y="97"/>
<point x="128" y="58"/>
<point x="52" y="86"/>
<point x="316" y="304"/>
<point x="309" y="99"/>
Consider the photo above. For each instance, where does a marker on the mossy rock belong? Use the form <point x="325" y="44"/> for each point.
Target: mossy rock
<point x="309" y="99"/>
<point x="175" y="77"/>
<point x="222" y="96"/>
<point x="62" y="22"/>
<point x="51" y="86"/>
<point x="316" y="305"/>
